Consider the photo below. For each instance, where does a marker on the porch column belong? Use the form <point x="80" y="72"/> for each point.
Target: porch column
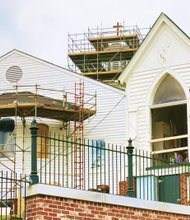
<point x="33" y="176"/>
<point x="130" y="191"/>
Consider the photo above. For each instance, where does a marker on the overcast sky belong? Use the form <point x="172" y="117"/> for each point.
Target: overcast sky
<point x="41" y="27"/>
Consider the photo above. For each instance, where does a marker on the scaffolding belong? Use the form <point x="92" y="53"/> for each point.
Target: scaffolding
<point x="102" y="54"/>
<point x="79" y="136"/>
<point x="34" y="101"/>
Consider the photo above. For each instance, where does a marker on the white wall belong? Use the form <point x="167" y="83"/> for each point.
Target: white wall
<point x="165" y="53"/>
<point x="109" y="123"/>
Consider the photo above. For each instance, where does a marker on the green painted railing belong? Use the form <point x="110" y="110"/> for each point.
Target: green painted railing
<point x="110" y="168"/>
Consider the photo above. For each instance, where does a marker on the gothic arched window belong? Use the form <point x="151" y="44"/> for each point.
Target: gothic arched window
<point x="169" y="90"/>
<point x="169" y="119"/>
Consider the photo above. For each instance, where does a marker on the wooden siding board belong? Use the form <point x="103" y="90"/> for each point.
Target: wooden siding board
<point x="108" y="124"/>
<point x="45" y="76"/>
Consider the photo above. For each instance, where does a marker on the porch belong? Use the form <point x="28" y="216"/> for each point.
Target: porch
<point x="94" y="167"/>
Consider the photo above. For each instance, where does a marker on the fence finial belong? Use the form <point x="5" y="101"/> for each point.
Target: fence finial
<point x="130" y="142"/>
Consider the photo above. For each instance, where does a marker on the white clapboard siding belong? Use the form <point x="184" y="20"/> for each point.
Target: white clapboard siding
<point x="110" y="101"/>
<point x="108" y="124"/>
<point x="166" y="52"/>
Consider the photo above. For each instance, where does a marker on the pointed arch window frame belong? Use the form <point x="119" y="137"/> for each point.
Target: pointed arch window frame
<point x="164" y="105"/>
<point x="172" y="92"/>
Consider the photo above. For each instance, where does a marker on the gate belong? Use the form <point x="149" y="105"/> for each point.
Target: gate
<point x="12" y="196"/>
<point x="168" y="193"/>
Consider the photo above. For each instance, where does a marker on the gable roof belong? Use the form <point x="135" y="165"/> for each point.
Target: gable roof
<point x="151" y="34"/>
<point x="61" y="69"/>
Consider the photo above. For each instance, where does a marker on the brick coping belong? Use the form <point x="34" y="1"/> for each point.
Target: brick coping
<point x="57" y="191"/>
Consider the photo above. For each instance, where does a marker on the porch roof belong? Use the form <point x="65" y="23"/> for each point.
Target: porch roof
<point x="24" y="104"/>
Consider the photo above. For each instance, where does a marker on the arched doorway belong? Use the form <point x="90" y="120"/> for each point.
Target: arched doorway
<point x="169" y="121"/>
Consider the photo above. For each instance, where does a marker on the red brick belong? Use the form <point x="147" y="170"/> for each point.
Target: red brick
<point x="95" y="212"/>
<point x="48" y="210"/>
<point x="51" y="214"/>
<point x="78" y="217"/>
<point x="64" y="212"/>
<point x="47" y="218"/>
<point x="55" y="208"/>
<point x="70" y="209"/>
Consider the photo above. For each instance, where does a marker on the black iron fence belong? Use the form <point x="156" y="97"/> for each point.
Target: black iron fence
<point x="94" y="165"/>
<point x="109" y="168"/>
<point x="87" y="165"/>
<point x="12" y="196"/>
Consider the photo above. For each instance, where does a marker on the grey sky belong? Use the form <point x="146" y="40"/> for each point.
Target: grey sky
<point x="41" y="27"/>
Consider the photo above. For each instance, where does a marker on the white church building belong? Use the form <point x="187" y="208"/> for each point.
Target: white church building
<point x="153" y="110"/>
<point x="157" y="82"/>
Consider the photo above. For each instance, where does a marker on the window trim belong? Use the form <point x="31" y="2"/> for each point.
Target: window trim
<point x="4" y="151"/>
<point x="168" y="104"/>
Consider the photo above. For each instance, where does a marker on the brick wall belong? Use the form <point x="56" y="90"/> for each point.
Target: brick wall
<point x="184" y="189"/>
<point x="123" y="186"/>
<point x="58" y="208"/>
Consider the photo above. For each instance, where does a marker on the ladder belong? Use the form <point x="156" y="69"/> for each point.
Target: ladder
<point x="79" y="136"/>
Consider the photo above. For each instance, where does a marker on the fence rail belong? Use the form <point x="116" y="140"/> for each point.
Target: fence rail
<point x="102" y="163"/>
<point x="114" y="169"/>
<point x="108" y="168"/>
<point x="12" y="195"/>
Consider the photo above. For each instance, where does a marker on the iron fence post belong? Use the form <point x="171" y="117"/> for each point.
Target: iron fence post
<point x="130" y="191"/>
<point x="33" y="176"/>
